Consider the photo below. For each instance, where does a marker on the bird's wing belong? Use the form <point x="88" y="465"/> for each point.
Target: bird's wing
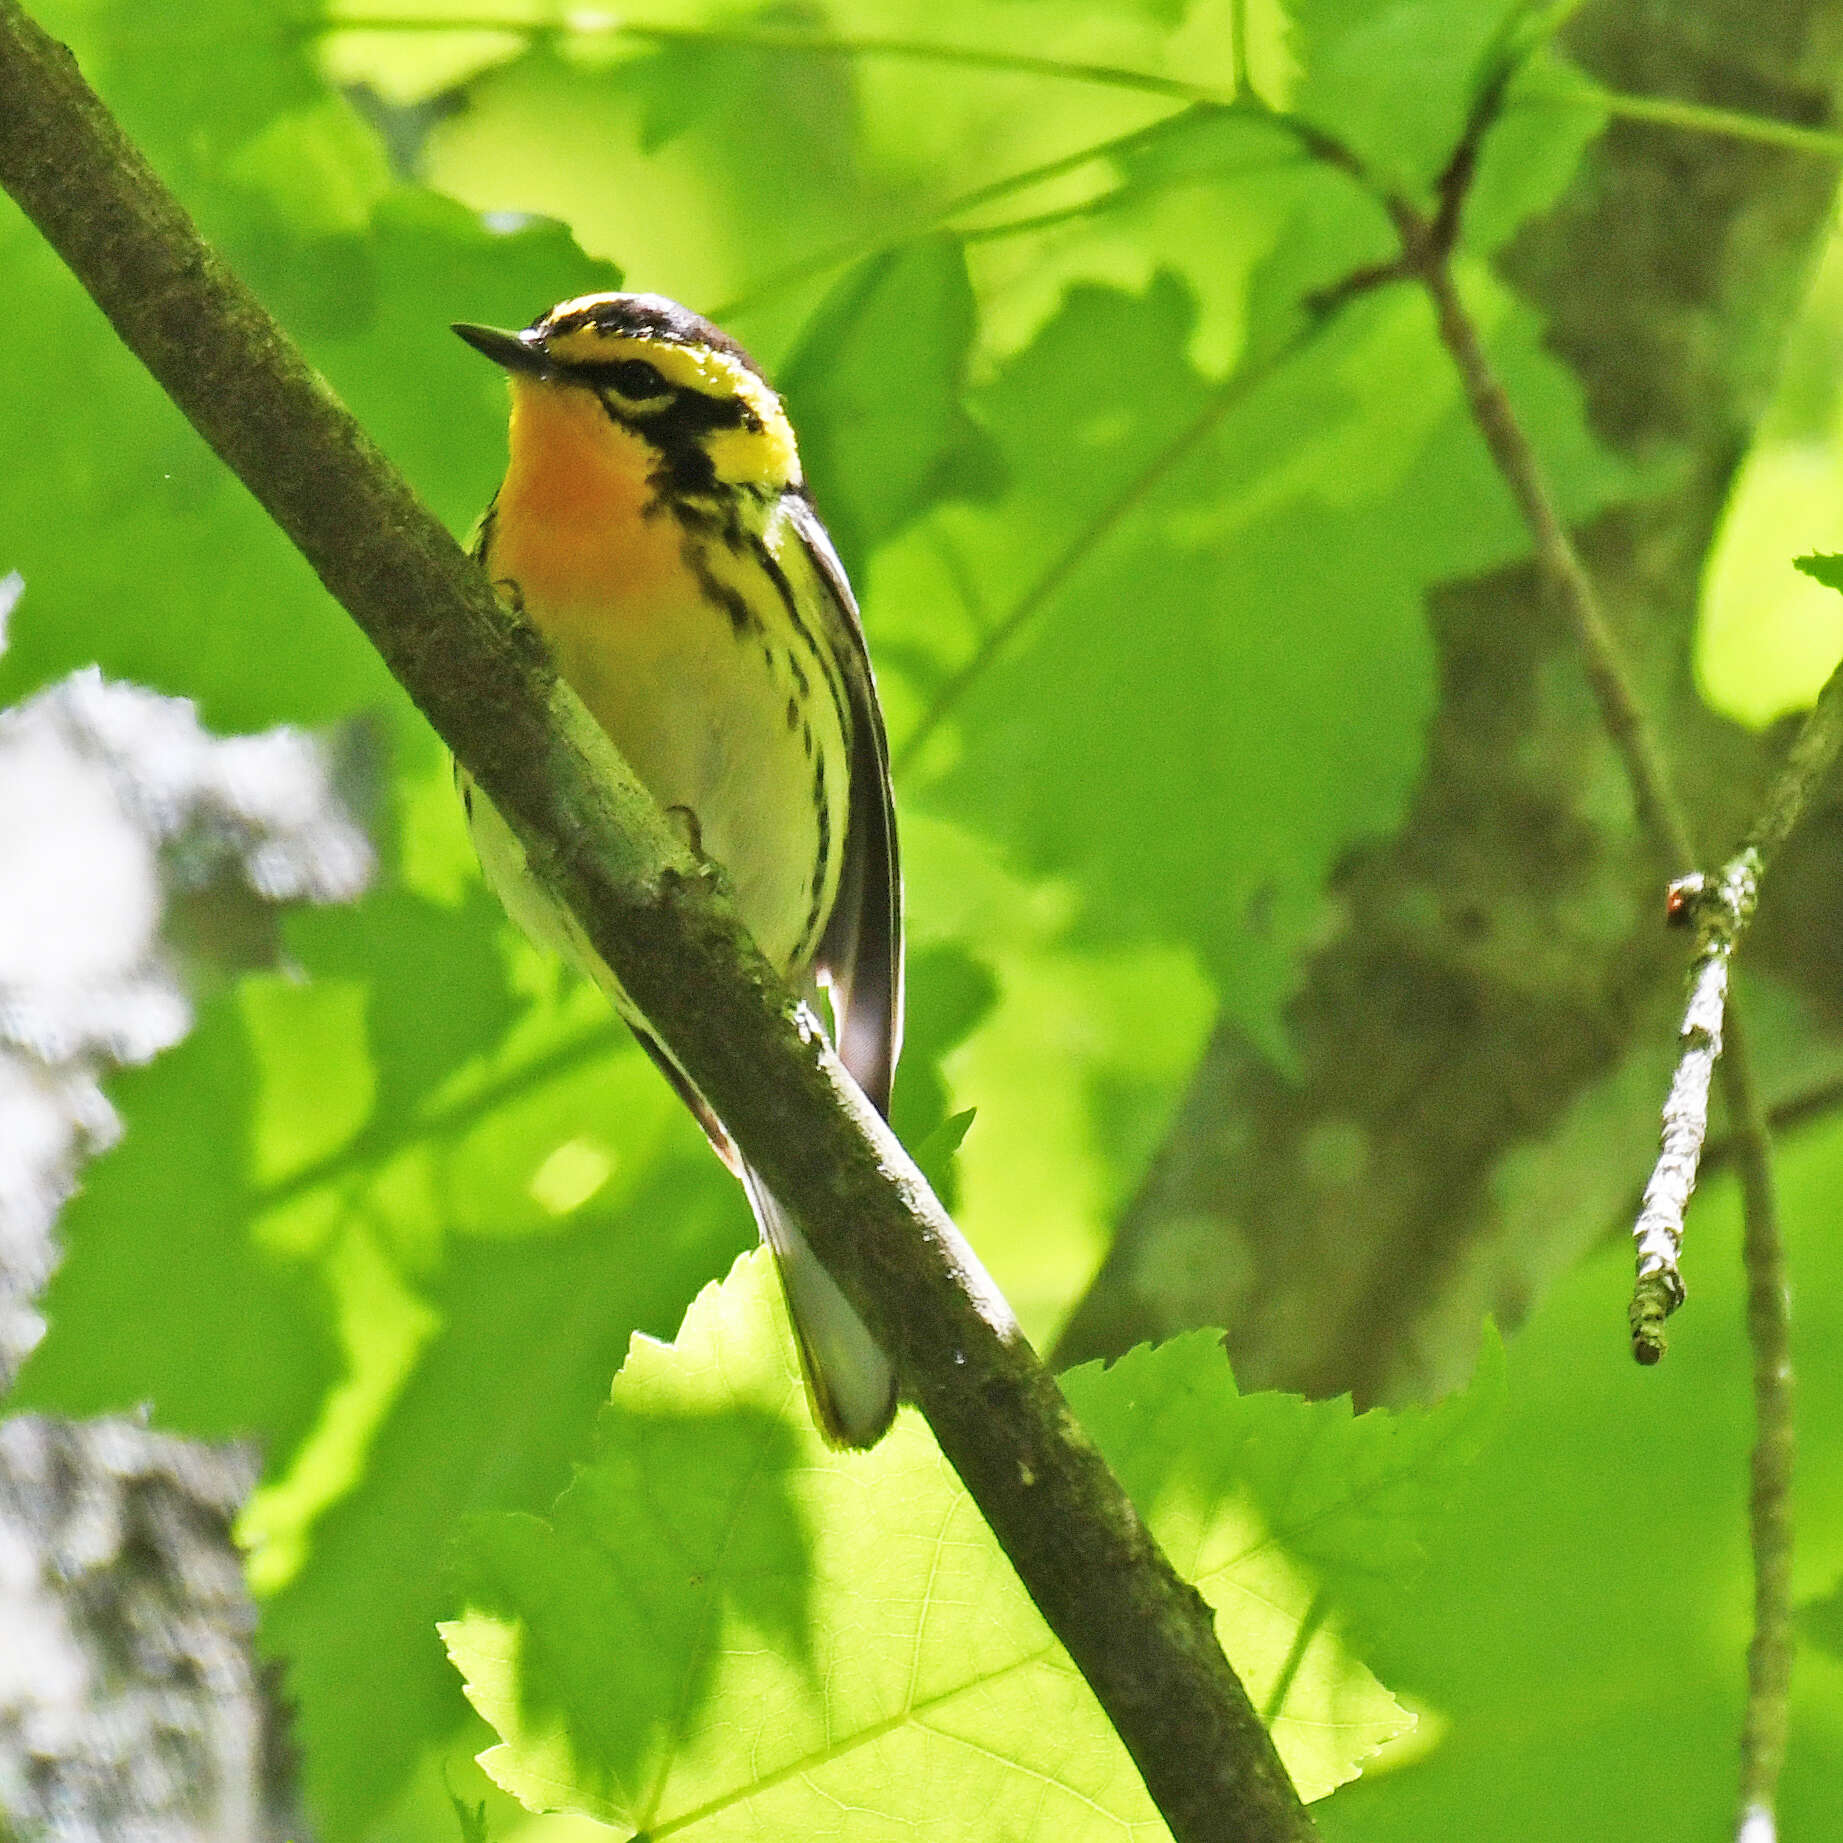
<point x="860" y="953"/>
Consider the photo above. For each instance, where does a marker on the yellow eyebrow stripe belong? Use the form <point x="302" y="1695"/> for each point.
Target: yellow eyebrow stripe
<point x="766" y="453"/>
<point x="716" y="374"/>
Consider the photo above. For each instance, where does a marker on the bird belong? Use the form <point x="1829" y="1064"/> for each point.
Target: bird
<point x="655" y="528"/>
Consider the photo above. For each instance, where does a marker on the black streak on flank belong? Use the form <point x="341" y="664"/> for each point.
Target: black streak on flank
<point x="483" y="537"/>
<point x="771" y="567"/>
<point x="822" y="858"/>
<point x="743" y="618"/>
<point x="824" y="809"/>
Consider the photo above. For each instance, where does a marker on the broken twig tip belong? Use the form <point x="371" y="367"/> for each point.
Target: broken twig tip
<point x="1682" y="898"/>
<point x="1654" y="1298"/>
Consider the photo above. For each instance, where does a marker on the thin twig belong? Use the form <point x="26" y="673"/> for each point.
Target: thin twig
<point x="1704" y="118"/>
<point x="1557" y="561"/>
<point x="1721" y="909"/>
<point x="1143" y="1637"/>
<point x="1807" y="767"/>
<point x="1820" y="1101"/>
<point x="1769" y="1500"/>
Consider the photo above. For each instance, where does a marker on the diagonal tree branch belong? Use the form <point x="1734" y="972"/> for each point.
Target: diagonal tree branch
<point x="1142" y="1637"/>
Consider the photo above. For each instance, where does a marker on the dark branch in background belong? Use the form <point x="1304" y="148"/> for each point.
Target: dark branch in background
<point x="1142" y="1637"/>
<point x="1427" y="249"/>
<point x="1723" y="906"/>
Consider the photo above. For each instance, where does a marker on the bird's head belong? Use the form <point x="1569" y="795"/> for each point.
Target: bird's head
<point x="659" y="372"/>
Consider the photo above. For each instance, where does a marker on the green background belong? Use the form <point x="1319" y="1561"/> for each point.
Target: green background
<point x="1146" y="558"/>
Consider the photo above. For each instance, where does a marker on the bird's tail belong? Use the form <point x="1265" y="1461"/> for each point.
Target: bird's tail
<point x="850" y="1383"/>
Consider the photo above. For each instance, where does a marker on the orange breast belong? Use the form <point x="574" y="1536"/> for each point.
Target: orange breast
<point x="571" y="527"/>
<point x="700" y="714"/>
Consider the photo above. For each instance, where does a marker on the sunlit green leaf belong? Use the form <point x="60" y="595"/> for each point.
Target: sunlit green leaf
<point x="725" y="1628"/>
<point x="194" y="591"/>
<point x="1153" y="602"/>
<point x="1395" y="79"/>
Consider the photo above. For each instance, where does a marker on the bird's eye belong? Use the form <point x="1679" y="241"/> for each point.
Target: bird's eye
<point x="637" y="381"/>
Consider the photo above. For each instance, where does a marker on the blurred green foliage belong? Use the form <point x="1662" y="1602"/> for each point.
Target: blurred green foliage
<point x="1583" y="1651"/>
<point x="1143" y="548"/>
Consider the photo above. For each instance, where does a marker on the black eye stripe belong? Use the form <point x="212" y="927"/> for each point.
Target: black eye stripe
<point x="678" y="428"/>
<point x="684" y="414"/>
<point x="636" y="388"/>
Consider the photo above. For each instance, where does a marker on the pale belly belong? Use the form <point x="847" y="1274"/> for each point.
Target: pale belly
<point x="747" y="770"/>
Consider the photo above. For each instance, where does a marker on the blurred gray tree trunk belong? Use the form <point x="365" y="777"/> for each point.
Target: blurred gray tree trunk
<point x="133" y="1707"/>
<point x="1498" y="1002"/>
<point x="136" y="1712"/>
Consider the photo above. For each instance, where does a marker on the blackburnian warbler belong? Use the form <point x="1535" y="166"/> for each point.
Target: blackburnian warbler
<point x="654" y="527"/>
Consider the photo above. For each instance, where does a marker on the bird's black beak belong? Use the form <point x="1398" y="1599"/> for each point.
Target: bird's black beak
<point x="515" y="351"/>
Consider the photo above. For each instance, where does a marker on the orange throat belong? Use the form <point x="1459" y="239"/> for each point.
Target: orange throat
<point x="576" y="525"/>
